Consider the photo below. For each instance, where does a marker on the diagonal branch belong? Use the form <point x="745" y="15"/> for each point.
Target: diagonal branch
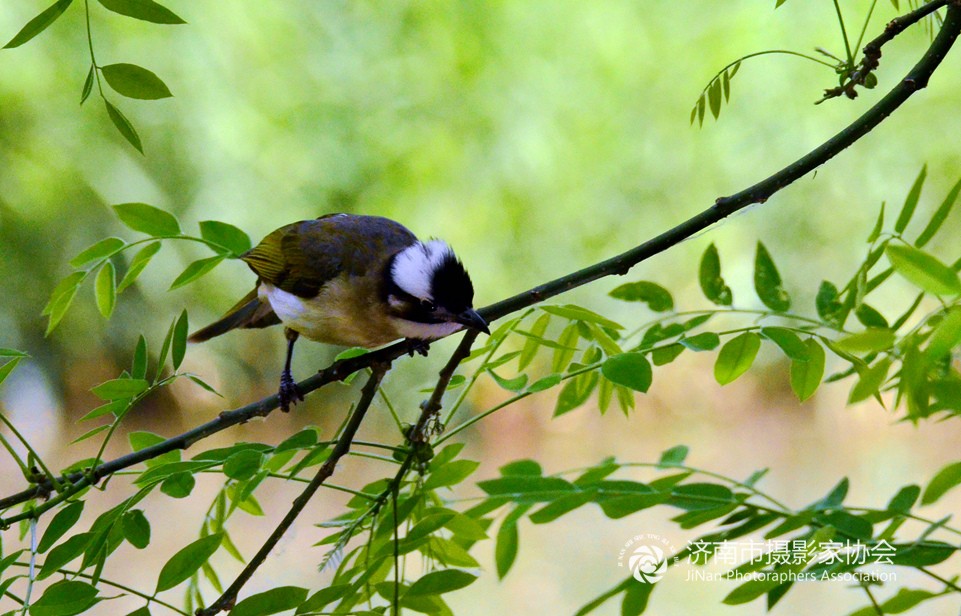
<point x="229" y="596"/>
<point x="917" y="78"/>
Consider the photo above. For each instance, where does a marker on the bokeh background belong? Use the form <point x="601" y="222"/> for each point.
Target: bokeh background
<point x="536" y="137"/>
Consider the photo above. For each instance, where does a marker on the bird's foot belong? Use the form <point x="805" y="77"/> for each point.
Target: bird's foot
<point x="417" y="346"/>
<point x="289" y="392"/>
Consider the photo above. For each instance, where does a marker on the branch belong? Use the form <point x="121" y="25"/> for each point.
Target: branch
<point x="916" y="79"/>
<point x="229" y="597"/>
<point x="872" y="51"/>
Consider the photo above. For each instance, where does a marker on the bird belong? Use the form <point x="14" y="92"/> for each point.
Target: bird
<point x="355" y="281"/>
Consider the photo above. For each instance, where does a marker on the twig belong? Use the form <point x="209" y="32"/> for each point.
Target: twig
<point x="872" y="51"/>
<point x="229" y="597"/>
<point x="430" y="408"/>
<point x="917" y="78"/>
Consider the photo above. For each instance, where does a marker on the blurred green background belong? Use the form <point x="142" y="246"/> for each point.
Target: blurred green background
<point x="536" y="137"/>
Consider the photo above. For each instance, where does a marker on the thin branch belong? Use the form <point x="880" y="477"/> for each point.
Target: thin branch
<point x="872" y="51"/>
<point x="229" y="597"/>
<point x="916" y="79"/>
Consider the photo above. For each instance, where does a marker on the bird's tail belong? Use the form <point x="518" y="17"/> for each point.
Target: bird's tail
<point x="249" y="312"/>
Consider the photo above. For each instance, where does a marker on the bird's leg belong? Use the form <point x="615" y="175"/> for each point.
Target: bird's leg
<point x="415" y="345"/>
<point x="288" y="387"/>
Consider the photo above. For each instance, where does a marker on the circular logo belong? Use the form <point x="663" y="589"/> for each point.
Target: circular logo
<point x="647" y="563"/>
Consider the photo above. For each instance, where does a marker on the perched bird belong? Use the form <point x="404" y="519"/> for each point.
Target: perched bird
<point x="353" y="281"/>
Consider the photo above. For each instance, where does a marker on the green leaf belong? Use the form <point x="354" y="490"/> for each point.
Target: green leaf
<point x="575" y="393"/>
<point x="165" y="348"/>
<point x="123" y="126"/>
<point x="939" y="216"/>
<point x="870" y="317"/>
<point x="904" y="499"/>
<point x="946" y="335"/>
<point x="636" y="596"/>
<point x="527" y="489"/>
<point x="138" y="264"/>
<point x="515" y="384"/>
<point x="674" y="456"/>
<point x="195" y="270"/>
<point x="244" y="464"/>
<point x="61" y="298"/>
<point x="544" y="383"/>
<point x="579" y="313"/>
<point x="870" y="340"/>
<point x="788" y="341"/>
<point x="736" y="357"/>
<point x="767" y="282"/>
<point x="87" y="85"/>
<point x="64" y="553"/>
<point x="102" y="249"/>
<point x="272" y="601"/>
<point x="922" y="555"/>
<point x="698" y="496"/>
<point x="532" y="343"/>
<point x="135" y="81"/>
<point x="38" y="24"/>
<point x="946" y="479"/>
<point x="450" y="474"/>
<point x="505" y="547"/>
<point x="439" y="582"/>
<point x="179" y="485"/>
<point x="630" y="370"/>
<point x="59" y="525"/>
<point x="323" y="597"/>
<point x="118" y="389"/>
<point x="136" y="528"/>
<point x="654" y="295"/>
<point x="139" y="368"/>
<point x="905" y="599"/>
<point x="828" y="307"/>
<point x="923" y="270"/>
<point x="105" y="289"/>
<point x="522" y="468"/>
<point x="714" y="98"/>
<point x="878" y="227"/>
<point x="706" y="341"/>
<point x="561" y="506"/>
<point x="90" y="434"/>
<point x="65" y="598"/>
<point x="8" y="367"/>
<point x="178" y="345"/>
<point x="710" y="278"/>
<point x="911" y="202"/>
<point x="147" y="219"/>
<point x="187" y="561"/>
<point x="661" y="356"/>
<point x="870" y="381"/>
<point x="806" y="374"/>
<point x="233" y="240"/>
<point x="145" y="10"/>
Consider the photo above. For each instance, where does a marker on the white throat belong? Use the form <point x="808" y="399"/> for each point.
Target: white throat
<point x="414" y="267"/>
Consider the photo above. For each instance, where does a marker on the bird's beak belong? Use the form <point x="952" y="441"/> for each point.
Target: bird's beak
<point x="470" y="318"/>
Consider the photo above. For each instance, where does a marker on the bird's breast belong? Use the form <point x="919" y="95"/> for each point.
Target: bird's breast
<point x="347" y="311"/>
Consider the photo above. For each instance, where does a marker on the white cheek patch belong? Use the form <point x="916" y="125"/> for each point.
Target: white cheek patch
<point x="414" y="267"/>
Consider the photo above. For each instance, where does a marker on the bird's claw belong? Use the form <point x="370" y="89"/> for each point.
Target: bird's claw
<point x="417" y="346"/>
<point x="289" y="392"/>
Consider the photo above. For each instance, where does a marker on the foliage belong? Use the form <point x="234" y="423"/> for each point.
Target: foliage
<point x="407" y="540"/>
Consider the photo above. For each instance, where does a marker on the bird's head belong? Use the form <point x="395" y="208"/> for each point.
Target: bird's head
<point x="430" y="293"/>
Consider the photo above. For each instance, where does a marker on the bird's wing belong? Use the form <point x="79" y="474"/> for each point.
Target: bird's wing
<point x="301" y="257"/>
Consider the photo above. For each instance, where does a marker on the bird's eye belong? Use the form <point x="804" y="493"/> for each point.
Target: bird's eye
<point x="428" y="305"/>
